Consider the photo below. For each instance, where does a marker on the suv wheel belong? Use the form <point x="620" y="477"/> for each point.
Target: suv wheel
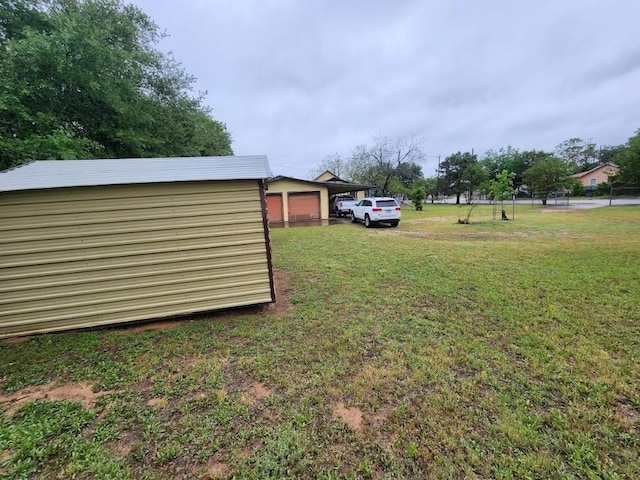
<point x="353" y="217"/>
<point x="367" y="221"/>
<point x="394" y="223"/>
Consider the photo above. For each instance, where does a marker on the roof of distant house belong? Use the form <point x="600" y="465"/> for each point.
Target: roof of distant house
<point x="601" y="166"/>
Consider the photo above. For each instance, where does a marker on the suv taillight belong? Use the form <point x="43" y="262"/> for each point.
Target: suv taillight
<point x="376" y="209"/>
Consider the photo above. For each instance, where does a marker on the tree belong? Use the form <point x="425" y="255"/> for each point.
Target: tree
<point x="417" y="196"/>
<point x="462" y="174"/>
<point x="546" y="176"/>
<point x="333" y="163"/>
<point x="510" y="159"/>
<point x="495" y="161"/>
<point x="431" y="188"/>
<point x="628" y="159"/>
<point x="82" y="78"/>
<point x="607" y="153"/>
<point x="473" y="177"/>
<point x="501" y="188"/>
<point x="387" y="158"/>
<point x="408" y="174"/>
<point x="579" y="155"/>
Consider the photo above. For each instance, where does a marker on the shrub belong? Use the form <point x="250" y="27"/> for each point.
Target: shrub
<point x="578" y="190"/>
<point x="417" y="197"/>
<point x="602" y="189"/>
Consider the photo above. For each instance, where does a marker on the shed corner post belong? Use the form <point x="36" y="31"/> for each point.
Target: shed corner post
<point x="262" y="184"/>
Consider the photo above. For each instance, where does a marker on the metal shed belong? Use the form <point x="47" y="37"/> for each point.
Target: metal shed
<point x="94" y="242"/>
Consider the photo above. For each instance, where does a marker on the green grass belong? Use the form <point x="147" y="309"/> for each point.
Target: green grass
<point x="490" y="350"/>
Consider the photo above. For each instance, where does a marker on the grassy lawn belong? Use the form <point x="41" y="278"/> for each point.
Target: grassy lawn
<point x="490" y="350"/>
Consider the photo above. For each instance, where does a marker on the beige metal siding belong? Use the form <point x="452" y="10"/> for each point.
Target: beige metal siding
<point x="79" y="257"/>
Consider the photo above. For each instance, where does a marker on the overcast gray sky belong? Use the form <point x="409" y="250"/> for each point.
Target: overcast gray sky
<point x="298" y="80"/>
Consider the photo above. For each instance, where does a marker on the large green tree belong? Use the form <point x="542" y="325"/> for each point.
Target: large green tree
<point x="462" y="174"/>
<point x="578" y="154"/>
<point x="628" y="159"/>
<point x="512" y="160"/>
<point x="607" y="153"/>
<point x="82" y="78"/>
<point x="546" y="176"/>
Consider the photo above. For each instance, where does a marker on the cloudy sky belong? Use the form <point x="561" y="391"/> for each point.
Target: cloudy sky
<point x="302" y="79"/>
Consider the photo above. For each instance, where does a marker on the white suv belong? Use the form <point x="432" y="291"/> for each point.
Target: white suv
<point x="376" y="209"/>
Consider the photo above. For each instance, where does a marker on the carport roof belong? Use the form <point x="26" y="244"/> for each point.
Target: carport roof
<point x="81" y="173"/>
<point x="333" y="188"/>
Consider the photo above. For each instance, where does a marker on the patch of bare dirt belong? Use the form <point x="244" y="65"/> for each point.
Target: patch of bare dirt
<point x="125" y="444"/>
<point x="4" y="455"/>
<point x="378" y="418"/>
<point x="281" y="282"/>
<point x="217" y="469"/>
<point x="15" y="339"/>
<point x="72" y="392"/>
<point x="157" y="402"/>
<point x="154" y="325"/>
<point x="251" y="393"/>
<point x="627" y="416"/>
<point x="428" y="220"/>
<point x="259" y="390"/>
<point x="351" y="416"/>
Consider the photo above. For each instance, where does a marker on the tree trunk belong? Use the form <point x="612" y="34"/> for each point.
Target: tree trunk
<point x="458" y="198"/>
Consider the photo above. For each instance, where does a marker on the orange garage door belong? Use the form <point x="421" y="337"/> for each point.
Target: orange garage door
<point x="304" y="206"/>
<point x="274" y="207"/>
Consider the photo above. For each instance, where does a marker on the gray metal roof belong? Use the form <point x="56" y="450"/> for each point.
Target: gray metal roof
<point x="82" y="173"/>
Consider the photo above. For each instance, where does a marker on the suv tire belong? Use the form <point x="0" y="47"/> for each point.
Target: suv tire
<point x="367" y="221"/>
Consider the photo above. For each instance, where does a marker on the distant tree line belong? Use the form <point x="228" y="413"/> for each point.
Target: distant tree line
<point x="392" y="165"/>
<point x="83" y="79"/>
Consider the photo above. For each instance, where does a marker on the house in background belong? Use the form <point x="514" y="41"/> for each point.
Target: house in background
<point x="95" y="242"/>
<point x="294" y="200"/>
<point x="600" y="174"/>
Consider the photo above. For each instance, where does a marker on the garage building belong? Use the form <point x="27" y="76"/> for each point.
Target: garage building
<point x="294" y="200"/>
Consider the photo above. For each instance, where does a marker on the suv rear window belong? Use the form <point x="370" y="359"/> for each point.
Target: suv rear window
<point x="386" y="203"/>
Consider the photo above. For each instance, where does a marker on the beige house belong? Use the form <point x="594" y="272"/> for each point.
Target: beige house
<point x="293" y="200"/>
<point x="600" y="174"/>
<point x="94" y="242"/>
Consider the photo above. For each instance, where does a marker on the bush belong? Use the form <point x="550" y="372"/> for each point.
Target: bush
<point x="602" y="189"/>
<point x="578" y="190"/>
<point x="417" y="197"/>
